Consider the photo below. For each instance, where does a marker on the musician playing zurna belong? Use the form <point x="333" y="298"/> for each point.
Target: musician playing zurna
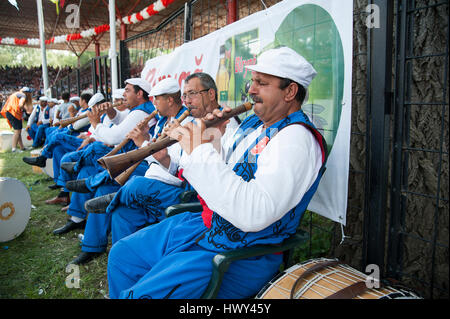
<point x="142" y="200"/>
<point x="256" y="187"/>
<point x="110" y="117"/>
<point x="167" y="99"/>
<point x="60" y="141"/>
<point x="136" y="96"/>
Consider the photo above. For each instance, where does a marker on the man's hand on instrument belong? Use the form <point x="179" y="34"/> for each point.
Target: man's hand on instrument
<point x="85" y="142"/>
<point x="103" y="107"/>
<point x="94" y="116"/>
<point x="218" y="114"/>
<point x="190" y="135"/>
<point x="138" y="136"/>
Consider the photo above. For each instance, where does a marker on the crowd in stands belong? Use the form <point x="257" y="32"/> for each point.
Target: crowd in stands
<point x="12" y="78"/>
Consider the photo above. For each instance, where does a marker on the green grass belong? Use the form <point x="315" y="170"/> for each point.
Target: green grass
<point x="33" y="265"/>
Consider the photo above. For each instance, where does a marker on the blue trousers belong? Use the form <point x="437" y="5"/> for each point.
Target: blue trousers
<point x="77" y="200"/>
<point x="90" y="154"/>
<point x="63" y="176"/>
<point x="32" y="130"/>
<point x="58" y="144"/>
<point x="139" y="202"/>
<point x="164" y="261"/>
<point x="39" y="138"/>
<point x="94" y="181"/>
<point x="98" y="226"/>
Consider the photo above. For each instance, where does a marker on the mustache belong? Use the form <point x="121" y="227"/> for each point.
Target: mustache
<point x="256" y="98"/>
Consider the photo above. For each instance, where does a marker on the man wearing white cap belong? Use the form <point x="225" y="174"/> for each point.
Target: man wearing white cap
<point x="61" y="141"/>
<point x="44" y="121"/>
<point x="75" y="100"/>
<point x="33" y="120"/>
<point x="136" y="96"/>
<point x="257" y="186"/>
<point x="167" y="97"/>
<point x="168" y="102"/>
<point x="63" y="106"/>
<point x="142" y="200"/>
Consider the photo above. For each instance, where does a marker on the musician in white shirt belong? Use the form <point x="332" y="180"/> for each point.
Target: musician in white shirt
<point x="257" y="199"/>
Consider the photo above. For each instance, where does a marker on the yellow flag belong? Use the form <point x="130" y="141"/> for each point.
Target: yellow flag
<point x="57" y="7"/>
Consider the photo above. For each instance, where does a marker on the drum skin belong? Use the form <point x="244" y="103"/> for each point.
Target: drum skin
<point x="15" y="208"/>
<point x="325" y="282"/>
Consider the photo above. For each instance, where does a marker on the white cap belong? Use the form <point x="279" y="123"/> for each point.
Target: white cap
<point x="60" y="101"/>
<point x="118" y="94"/>
<point x="166" y="86"/>
<point x="141" y="83"/>
<point x="43" y="98"/>
<point x="285" y="63"/>
<point x="26" y="89"/>
<point x="53" y="100"/>
<point x="97" y="97"/>
<point x="74" y="98"/>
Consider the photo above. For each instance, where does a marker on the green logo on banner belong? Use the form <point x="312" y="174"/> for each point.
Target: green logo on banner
<point x="310" y="31"/>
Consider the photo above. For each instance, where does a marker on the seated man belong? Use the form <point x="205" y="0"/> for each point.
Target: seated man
<point x="63" y="111"/>
<point x="63" y="141"/>
<point x="75" y="100"/>
<point x="142" y="200"/>
<point x="168" y="103"/>
<point x="33" y="120"/>
<point x="136" y="96"/>
<point x="112" y="116"/>
<point x="44" y="122"/>
<point x="257" y="189"/>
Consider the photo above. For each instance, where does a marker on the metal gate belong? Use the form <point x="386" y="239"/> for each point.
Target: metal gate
<point x="418" y="232"/>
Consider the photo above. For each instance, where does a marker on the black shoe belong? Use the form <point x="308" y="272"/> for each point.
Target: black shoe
<point x="84" y="257"/>
<point x="68" y="167"/>
<point x="36" y="161"/>
<point x="99" y="204"/>
<point x="54" y="186"/>
<point x="70" y="225"/>
<point x="77" y="185"/>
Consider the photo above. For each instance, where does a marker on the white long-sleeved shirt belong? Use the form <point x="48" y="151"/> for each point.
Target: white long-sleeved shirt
<point x="115" y="134"/>
<point x="32" y="117"/>
<point x="77" y="125"/>
<point x="287" y="167"/>
<point x="161" y="173"/>
<point x="118" y="118"/>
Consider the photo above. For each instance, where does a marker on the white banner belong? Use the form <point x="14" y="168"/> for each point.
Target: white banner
<point x="319" y="30"/>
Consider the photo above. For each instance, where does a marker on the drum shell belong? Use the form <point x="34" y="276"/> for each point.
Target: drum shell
<point x="325" y="282"/>
<point x="15" y="208"/>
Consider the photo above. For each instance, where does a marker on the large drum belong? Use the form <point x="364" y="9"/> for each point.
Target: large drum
<point x="327" y="279"/>
<point x="15" y="208"/>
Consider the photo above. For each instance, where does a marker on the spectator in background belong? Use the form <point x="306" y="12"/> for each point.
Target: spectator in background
<point x="13" y="110"/>
<point x="63" y="111"/>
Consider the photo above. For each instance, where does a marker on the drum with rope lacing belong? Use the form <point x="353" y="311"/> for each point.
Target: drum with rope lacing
<point x="327" y="279"/>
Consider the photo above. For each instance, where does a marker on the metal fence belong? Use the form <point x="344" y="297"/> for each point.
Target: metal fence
<point x="418" y="233"/>
<point x="95" y="75"/>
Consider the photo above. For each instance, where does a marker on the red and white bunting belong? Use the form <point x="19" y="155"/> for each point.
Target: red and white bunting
<point x="144" y="14"/>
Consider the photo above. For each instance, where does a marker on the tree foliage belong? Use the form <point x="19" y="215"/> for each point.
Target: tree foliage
<point x="24" y="56"/>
